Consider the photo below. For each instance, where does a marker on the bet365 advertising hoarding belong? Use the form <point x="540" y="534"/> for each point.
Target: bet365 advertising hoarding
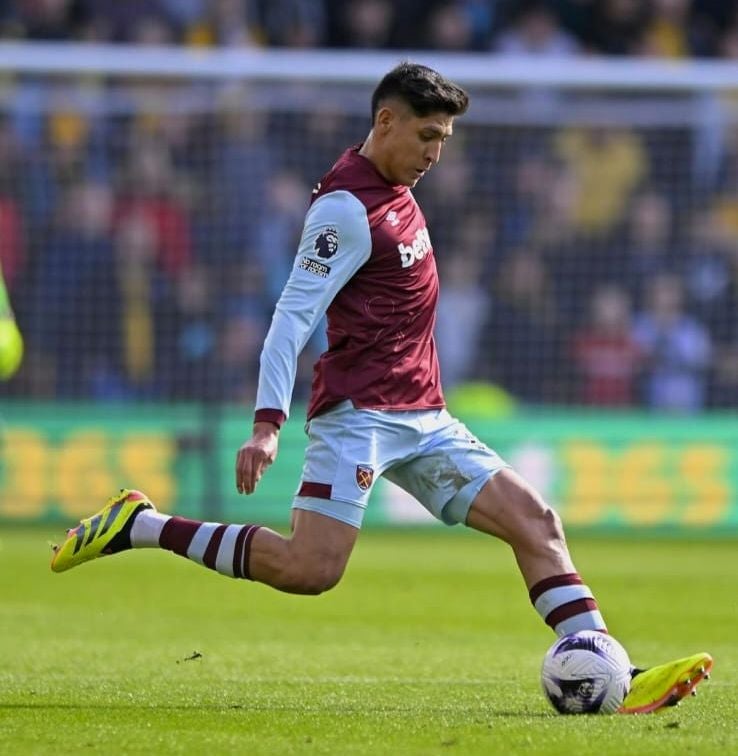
<point x="601" y="471"/>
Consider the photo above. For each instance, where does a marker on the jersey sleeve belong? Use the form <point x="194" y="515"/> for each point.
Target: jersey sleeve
<point x="335" y="243"/>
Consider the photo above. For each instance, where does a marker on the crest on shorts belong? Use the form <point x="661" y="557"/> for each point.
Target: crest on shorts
<point x="364" y="476"/>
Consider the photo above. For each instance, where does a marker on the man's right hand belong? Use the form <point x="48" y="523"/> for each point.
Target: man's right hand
<point x="255" y="456"/>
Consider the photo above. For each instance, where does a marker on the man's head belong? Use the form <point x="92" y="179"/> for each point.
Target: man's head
<point x="421" y="88"/>
<point x="413" y="108"/>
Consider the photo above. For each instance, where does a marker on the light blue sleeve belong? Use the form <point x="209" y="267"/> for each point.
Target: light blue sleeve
<point x="335" y="243"/>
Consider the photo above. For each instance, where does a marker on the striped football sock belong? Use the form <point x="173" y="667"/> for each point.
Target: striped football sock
<point x="223" y="548"/>
<point x="566" y="604"/>
<point x="146" y="528"/>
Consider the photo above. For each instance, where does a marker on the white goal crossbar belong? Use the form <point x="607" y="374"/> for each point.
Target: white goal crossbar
<point x="365" y="66"/>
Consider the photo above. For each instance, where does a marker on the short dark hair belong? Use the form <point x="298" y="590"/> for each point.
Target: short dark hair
<point x="423" y="89"/>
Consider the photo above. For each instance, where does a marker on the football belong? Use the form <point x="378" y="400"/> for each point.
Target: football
<point x="587" y="672"/>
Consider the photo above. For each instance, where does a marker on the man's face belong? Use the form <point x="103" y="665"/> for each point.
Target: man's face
<point x="409" y="145"/>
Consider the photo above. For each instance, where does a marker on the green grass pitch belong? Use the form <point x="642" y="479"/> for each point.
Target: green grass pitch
<point x="428" y="646"/>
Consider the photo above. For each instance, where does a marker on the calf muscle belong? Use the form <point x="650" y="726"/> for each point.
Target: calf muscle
<point x="310" y="561"/>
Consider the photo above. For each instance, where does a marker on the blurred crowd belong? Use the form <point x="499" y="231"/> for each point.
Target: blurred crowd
<point x="144" y="254"/>
<point x="144" y="246"/>
<point x="671" y="28"/>
<point x="605" y="274"/>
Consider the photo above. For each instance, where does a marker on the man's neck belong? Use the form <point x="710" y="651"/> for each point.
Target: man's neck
<point x="369" y="151"/>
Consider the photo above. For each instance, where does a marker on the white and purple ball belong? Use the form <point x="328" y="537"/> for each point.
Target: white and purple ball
<point x="587" y="672"/>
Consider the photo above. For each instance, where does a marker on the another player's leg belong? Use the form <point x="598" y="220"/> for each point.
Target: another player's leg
<point x="309" y="561"/>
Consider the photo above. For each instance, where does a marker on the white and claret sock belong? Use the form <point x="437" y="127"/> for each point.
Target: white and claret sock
<point x="223" y="548"/>
<point x="566" y="604"/>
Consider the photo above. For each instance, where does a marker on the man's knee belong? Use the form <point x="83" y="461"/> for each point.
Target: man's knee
<point x="309" y="577"/>
<point x="315" y="556"/>
<point x="547" y="520"/>
<point x="535" y="517"/>
<point x="513" y="510"/>
<point x="311" y="582"/>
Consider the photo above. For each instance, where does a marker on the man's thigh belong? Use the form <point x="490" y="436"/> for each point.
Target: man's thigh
<point x="320" y="538"/>
<point x="451" y="467"/>
<point x="348" y="450"/>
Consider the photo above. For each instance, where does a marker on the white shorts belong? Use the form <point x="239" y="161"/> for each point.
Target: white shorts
<point x="428" y="453"/>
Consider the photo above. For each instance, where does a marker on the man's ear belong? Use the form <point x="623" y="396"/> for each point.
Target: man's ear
<point x="385" y="117"/>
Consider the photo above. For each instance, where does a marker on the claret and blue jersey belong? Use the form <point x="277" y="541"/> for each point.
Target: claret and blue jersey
<point x="366" y="260"/>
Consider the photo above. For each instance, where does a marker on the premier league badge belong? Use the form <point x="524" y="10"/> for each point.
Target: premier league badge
<point x="326" y="243"/>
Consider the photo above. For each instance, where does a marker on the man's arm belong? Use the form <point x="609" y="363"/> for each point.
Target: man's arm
<point x="335" y="243"/>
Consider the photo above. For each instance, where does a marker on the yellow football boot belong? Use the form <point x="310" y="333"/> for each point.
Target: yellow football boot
<point x="666" y="684"/>
<point x="106" y="532"/>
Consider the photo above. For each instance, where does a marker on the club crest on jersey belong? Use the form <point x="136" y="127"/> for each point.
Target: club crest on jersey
<point x="364" y="476"/>
<point x="326" y="243"/>
<point x="417" y="249"/>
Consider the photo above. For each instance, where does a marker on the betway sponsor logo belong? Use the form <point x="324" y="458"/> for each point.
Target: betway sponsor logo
<point x="417" y="249"/>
